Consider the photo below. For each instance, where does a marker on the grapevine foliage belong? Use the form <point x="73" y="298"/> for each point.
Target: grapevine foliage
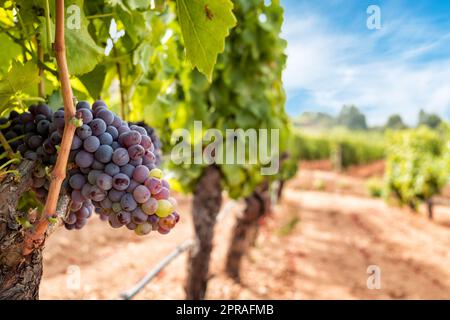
<point x="106" y="42"/>
<point x="417" y="164"/>
<point x="246" y="92"/>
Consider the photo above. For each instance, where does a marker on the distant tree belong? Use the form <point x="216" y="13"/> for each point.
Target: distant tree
<point x="315" y="120"/>
<point x="395" y="122"/>
<point x="352" y="118"/>
<point x="430" y="120"/>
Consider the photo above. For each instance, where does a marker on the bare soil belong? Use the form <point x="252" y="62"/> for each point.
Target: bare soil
<point x="318" y="244"/>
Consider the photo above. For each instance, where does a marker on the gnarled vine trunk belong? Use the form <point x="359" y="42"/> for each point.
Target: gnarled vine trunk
<point x="19" y="276"/>
<point x="246" y="228"/>
<point x="206" y="205"/>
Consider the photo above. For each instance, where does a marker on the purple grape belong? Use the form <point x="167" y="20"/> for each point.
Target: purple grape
<point x="97" y="194"/>
<point x="34" y="142"/>
<point x="141" y="194"/>
<point x="138" y="216"/>
<point x="117" y="122"/>
<point x="44" y="109"/>
<point x="106" y="203"/>
<point x="114" y="222"/>
<point x="165" y="184"/>
<point x="26" y="117"/>
<point x="86" y="190"/>
<point x="86" y="115"/>
<point x="140" y="173"/>
<point x="42" y="127"/>
<point x="153" y="219"/>
<point x="130" y="138"/>
<point x="146" y="142"/>
<point x="84" y="131"/>
<point x="98" y="103"/>
<point x="82" y="213"/>
<point x="150" y="206"/>
<point x="98" y="126"/>
<point x="154" y="185"/>
<point x="97" y="165"/>
<point x="104" y="181"/>
<point x="30" y="155"/>
<point x="106" y="115"/>
<point x="77" y="181"/>
<point x="115" y="145"/>
<point x="100" y="108"/>
<point x="58" y="119"/>
<point x="120" y="156"/>
<point x="131" y="226"/>
<point x="83" y="105"/>
<point x="76" y="196"/>
<point x="115" y="195"/>
<point x="84" y="159"/>
<point x="93" y="176"/>
<point x="139" y="129"/>
<point x="163" y="194"/>
<point x="69" y="226"/>
<point x="71" y="218"/>
<point x="106" y="138"/>
<point x="128" y="203"/>
<point x="55" y="138"/>
<point x="112" y="169"/>
<point x="122" y="129"/>
<point x="91" y="144"/>
<point x="136" y="162"/>
<point x="149" y="157"/>
<point x="113" y="132"/>
<point x="127" y="169"/>
<point x="104" y="154"/>
<point x="121" y="181"/>
<point x="132" y="186"/>
<point x="124" y="217"/>
<point x="76" y="143"/>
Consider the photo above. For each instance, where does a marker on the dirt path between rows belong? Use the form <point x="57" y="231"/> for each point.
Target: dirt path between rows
<point x="316" y="245"/>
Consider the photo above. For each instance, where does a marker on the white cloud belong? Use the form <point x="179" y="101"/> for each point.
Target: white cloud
<point x="337" y="68"/>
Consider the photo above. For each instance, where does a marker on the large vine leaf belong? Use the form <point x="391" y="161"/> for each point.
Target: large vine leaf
<point x="205" y="24"/>
<point x="19" y="78"/>
<point x="83" y="54"/>
<point x="10" y="50"/>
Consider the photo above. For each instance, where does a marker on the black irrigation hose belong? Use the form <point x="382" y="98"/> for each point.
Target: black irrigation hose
<point x="184" y="246"/>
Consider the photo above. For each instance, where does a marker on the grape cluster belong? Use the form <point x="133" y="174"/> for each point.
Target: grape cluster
<point x="113" y="166"/>
<point x="116" y="171"/>
<point x="36" y="137"/>
<point x="151" y="132"/>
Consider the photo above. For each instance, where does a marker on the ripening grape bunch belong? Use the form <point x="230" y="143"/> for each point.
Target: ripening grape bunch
<point x="112" y="167"/>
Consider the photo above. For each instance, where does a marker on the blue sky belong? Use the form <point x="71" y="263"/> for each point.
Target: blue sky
<point x="334" y="59"/>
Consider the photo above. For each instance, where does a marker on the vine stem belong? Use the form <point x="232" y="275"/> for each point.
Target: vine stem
<point x="40" y="57"/>
<point x="122" y="93"/>
<point x="59" y="171"/>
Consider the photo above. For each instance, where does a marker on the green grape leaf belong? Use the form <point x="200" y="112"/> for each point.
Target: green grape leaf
<point x="10" y="50"/>
<point x="138" y="4"/>
<point x="94" y="81"/>
<point x="205" y="24"/>
<point x="19" y="78"/>
<point x="83" y="54"/>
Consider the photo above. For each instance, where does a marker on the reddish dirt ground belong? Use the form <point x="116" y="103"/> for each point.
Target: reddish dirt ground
<point x="317" y="244"/>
